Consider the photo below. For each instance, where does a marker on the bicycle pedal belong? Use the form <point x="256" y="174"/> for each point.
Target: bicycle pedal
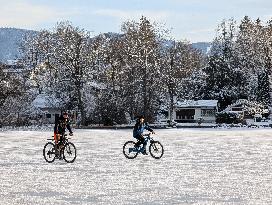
<point x="58" y="157"/>
<point x="144" y="153"/>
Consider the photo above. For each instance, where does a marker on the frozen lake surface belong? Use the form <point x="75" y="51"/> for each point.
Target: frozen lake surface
<point x="200" y="166"/>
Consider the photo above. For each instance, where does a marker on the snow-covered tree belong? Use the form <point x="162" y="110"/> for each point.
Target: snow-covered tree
<point x="193" y="87"/>
<point x="140" y="55"/>
<point x="263" y="95"/>
<point x="238" y="63"/>
<point x="9" y="85"/>
<point x="178" y="61"/>
<point x="225" y="79"/>
<point x="249" y="50"/>
<point x="14" y="93"/>
<point x="65" y="61"/>
<point x="111" y="100"/>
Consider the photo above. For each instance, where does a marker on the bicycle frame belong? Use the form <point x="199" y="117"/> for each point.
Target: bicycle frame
<point x="140" y="149"/>
<point x="65" y="139"/>
<point x="131" y="148"/>
<point x="61" y="150"/>
<point x="148" y="138"/>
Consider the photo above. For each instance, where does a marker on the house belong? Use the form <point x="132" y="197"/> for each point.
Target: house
<point x="195" y="111"/>
<point x="49" y="106"/>
<point x="247" y="109"/>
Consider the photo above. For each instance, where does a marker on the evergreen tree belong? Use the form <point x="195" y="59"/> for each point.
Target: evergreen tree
<point x="225" y="79"/>
<point x="263" y="95"/>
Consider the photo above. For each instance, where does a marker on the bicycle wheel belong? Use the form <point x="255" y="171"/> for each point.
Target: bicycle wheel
<point x="49" y="152"/>
<point x="156" y="149"/>
<point x="129" y="150"/>
<point x="69" y="152"/>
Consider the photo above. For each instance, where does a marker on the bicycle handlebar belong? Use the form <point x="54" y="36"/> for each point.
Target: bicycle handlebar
<point x="148" y="136"/>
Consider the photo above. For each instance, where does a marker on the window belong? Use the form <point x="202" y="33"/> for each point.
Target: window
<point x="207" y="113"/>
<point x="48" y="115"/>
<point x="185" y="114"/>
<point x="237" y="109"/>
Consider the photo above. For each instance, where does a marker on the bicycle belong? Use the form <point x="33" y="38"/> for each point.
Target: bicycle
<point x="64" y="150"/>
<point x="131" y="151"/>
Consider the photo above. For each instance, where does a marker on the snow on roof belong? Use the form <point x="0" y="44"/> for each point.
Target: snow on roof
<point x="245" y="102"/>
<point x="197" y="103"/>
<point x="45" y="101"/>
<point x="246" y="105"/>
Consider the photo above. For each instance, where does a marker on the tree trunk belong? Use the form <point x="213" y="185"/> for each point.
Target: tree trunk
<point x="81" y="108"/>
<point x="171" y="105"/>
<point x="145" y="90"/>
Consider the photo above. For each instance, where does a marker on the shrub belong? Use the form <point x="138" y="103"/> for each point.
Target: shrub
<point x="228" y="118"/>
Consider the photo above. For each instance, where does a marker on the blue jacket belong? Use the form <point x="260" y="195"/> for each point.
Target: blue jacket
<point x="139" y="129"/>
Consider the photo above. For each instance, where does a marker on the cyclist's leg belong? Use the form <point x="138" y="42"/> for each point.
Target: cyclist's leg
<point x="58" y="141"/>
<point x="141" y="140"/>
<point x="56" y="138"/>
<point x="144" y="143"/>
<point x="61" y="141"/>
<point x="61" y="138"/>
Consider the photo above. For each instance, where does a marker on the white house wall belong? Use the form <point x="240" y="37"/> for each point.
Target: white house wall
<point x="205" y="118"/>
<point x="174" y="114"/>
<point x="197" y="113"/>
<point x="198" y="106"/>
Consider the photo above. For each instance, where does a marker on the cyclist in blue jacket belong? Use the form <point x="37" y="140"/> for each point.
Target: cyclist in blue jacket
<point x="138" y="130"/>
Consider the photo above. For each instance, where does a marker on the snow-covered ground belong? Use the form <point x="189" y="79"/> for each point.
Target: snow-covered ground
<point x="200" y="166"/>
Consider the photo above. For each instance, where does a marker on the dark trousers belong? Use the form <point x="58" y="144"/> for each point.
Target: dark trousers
<point x="141" y="140"/>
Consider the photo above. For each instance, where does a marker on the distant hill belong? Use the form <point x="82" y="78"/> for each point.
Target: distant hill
<point x="11" y="38"/>
<point x="204" y="47"/>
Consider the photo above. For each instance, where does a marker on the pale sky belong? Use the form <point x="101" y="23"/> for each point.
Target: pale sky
<point x="193" y="20"/>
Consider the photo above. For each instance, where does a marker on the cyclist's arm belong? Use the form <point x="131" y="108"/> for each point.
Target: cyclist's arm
<point x="149" y="129"/>
<point x="69" y="128"/>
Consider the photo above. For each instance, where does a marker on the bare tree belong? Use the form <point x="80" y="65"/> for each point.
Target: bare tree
<point x="141" y="52"/>
<point x="65" y="60"/>
<point x="178" y="61"/>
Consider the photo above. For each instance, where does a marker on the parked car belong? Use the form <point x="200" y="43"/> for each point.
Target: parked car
<point x="259" y="121"/>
